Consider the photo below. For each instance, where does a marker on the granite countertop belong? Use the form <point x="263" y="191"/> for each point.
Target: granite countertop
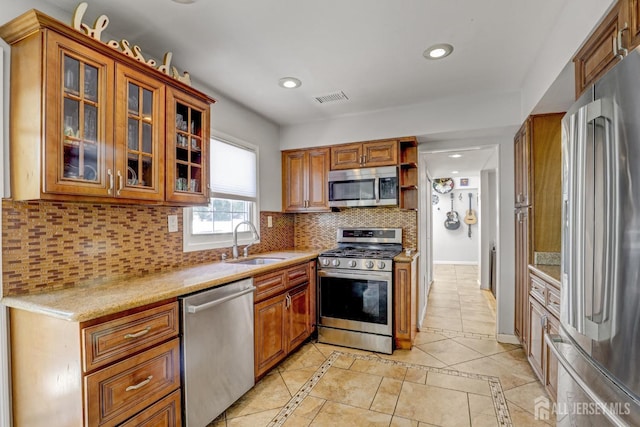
<point x="91" y="301"/>
<point x="550" y="273"/>
<point x="407" y="257"/>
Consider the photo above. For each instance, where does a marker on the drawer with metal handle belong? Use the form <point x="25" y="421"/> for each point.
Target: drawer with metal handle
<point x="119" y="391"/>
<point x="112" y="340"/>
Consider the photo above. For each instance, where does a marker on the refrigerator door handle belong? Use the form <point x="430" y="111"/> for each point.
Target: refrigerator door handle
<point x="597" y="218"/>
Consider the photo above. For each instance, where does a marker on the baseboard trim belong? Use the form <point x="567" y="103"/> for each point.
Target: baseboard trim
<point x="507" y="339"/>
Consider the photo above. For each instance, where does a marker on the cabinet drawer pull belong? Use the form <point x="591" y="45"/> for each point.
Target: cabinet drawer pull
<point x="140" y="384"/>
<point x="139" y="333"/>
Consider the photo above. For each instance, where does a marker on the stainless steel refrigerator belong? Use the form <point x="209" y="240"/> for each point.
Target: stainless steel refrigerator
<point x="598" y="348"/>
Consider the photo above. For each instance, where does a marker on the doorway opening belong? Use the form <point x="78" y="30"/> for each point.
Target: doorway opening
<point x="459" y="220"/>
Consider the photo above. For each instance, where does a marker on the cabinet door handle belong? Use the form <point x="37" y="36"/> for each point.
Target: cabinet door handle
<point x="120" y="183"/>
<point x="621" y="51"/>
<point x="140" y="384"/>
<point x="139" y="333"/>
<point x="110" y="175"/>
<point x="543" y="322"/>
<point x="287" y="302"/>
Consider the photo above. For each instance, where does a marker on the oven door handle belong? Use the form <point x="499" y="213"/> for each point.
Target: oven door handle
<point x="355" y="275"/>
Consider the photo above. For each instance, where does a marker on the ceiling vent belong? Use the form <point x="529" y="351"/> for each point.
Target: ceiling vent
<point x="332" y="97"/>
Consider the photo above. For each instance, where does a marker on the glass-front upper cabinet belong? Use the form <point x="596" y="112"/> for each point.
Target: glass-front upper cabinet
<point x="139" y="135"/>
<point x="187" y="149"/>
<point x="78" y="140"/>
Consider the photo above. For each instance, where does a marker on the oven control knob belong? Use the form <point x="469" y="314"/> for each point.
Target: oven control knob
<point x="369" y="264"/>
<point x="352" y="263"/>
<point x="324" y="262"/>
<point x="381" y="265"/>
<point x="335" y="262"/>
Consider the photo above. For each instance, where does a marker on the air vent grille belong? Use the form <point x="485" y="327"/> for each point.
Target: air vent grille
<point x="332" y="97"/>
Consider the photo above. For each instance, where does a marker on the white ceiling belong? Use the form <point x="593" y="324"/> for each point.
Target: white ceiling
<point x="371" y="50"/>
<point x="440" y="165"/>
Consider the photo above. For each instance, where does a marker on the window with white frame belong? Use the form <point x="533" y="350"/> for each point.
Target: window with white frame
<point x="234" y="199"/>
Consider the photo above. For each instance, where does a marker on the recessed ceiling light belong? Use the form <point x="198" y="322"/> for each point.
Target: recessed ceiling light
<point x="438" y="51"/>
<point x="455" y="171"/>
<point x="455" y="156"/>
<point x="289" y="82"/>
<point x="184" y="1"/>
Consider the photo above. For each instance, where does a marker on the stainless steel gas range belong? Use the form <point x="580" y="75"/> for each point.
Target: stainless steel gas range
<point x="355" y="289"/>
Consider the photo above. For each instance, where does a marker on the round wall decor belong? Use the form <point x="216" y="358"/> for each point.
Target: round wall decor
<point x="443" y="185"/>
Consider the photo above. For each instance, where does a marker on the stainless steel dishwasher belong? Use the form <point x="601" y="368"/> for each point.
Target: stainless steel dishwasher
<point x="217" y="350"/>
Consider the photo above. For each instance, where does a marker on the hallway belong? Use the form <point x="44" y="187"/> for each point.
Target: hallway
<point x="457" y="374"/>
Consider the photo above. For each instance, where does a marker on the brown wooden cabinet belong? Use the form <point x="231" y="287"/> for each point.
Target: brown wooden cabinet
<point x="405" y="294"/>
<point x="364" y="154"/>
<point x="544" y="302"/>
<point x="187" y="149"/>
<point x="305" y="180"/>
<point x="538" y="202"/>
<point x="606" y="45"/>
<point x="408" y="173"/>
<point x="283" y="313"/>
<point x="100" y="372"/>
<point x="88" y="122"/>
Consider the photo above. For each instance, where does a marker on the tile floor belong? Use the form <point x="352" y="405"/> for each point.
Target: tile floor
<point x="457" y="374"/>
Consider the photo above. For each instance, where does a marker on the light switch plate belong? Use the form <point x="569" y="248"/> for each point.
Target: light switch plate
<point x="173" y="223"/>
<point x="269" y="221"/>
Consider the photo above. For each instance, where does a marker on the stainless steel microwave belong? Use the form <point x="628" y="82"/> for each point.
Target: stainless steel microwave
<point x="364" y="187"/>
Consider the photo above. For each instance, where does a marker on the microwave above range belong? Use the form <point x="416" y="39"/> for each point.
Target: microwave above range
<point x="364" y="187"/>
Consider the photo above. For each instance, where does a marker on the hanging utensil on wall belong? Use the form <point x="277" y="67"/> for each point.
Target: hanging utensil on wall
<point x="470" y="218"/>
<point x="453" y="220"/>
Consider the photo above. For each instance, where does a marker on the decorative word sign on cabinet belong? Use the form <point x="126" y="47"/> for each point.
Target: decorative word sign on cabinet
<point x="88" y="123"/>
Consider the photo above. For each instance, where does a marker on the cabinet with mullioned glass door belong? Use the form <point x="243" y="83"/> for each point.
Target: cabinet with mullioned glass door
<point x="187" y="174"/>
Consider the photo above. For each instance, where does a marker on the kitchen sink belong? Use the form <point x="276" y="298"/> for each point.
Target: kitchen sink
<point x="257" y="260"/>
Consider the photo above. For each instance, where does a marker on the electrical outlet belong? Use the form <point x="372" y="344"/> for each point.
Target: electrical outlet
<point x="269" y="221"/>
<point x="173" y="223"/>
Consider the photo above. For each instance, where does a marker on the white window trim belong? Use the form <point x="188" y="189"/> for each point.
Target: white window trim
<point x="201" y="242"/>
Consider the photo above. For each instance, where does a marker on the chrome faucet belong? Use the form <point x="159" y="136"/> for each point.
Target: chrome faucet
<point x="234" y="250"/>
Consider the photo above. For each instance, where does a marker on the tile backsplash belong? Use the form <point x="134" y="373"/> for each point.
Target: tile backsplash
<point x="53" y="245"/>
<point x="50" y="245"/>
<point x="318" y="230"/>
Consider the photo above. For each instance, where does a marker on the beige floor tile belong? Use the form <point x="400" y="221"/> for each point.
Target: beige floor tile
<point x="478" y="317"/>
<point x="525" y="395"/>
<point x="509" y="377"/>
<point x="376" y="368"/>
<point x="522" y="418"/>
<point x="479" y="327"/>
<point x="449" y="323"/>
<point x="403" y="422"/>
<point x="459" y="383"/>
<point x="348" y="387"/>
<point x="295" y="379"/>
<point x="343" y="361"/>
<point x="444" y="312"/>
<point x="327" y="349"/>
<point x="450" y="352"/>
<point x="423" y="337"/>
<point x="305" y="357"/>
<point x="252" y="420"/>
<point x="444" y="296"/>
<point x="309" y="407"/>
<point x="416" y="376"/>
<point x="296" y="421"/>
<point x="387" y="396"/>
<point x="433" y="405"/>
<point x="451" y="303"/>
<point x="269" y="393"/>
<point x="335" y="414"/>
<point x="486" y="347"/>
<point x="415" y="355"/>
<point x="482" y="411"/>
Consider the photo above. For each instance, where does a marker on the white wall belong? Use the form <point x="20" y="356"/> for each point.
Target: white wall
<point x="488" y="227"/>
<point x="455" y="246"/>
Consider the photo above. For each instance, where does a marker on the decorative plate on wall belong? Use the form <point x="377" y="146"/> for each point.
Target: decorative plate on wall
<point x="443" y="185"/>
